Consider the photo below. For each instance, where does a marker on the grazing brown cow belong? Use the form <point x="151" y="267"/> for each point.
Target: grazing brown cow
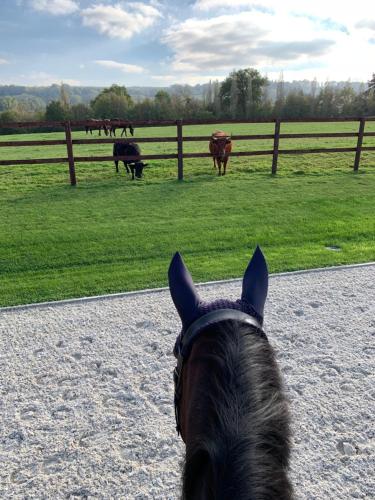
<point x="220" y="148"/>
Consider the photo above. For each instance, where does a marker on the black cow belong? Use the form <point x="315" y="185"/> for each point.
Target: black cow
<point x="129" y="149"/>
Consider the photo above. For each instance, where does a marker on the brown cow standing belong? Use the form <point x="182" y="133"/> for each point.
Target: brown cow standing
<point x="220" y="148"/>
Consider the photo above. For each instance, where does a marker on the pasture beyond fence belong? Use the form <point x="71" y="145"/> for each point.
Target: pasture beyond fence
<point x="71" y="159"/>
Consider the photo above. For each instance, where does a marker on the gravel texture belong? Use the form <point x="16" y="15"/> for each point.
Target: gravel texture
<point x="86" y="390"/>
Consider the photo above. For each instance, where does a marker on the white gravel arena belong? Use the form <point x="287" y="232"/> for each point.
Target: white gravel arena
<point x="87" y="390"/>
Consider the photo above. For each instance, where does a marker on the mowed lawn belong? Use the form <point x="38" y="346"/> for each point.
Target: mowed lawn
<point x="109" y="234"/>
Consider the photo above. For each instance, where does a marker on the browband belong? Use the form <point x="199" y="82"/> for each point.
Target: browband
<point x="212" y="317"/>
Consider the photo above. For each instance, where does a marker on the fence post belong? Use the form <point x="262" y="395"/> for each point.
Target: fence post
<point x="276" y="146"/>
<point x="361" y="131"/>
<point x="69" y="147"/>
<point x="180" y="160"/>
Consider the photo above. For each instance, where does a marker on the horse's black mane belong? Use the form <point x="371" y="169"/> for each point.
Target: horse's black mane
<point x="242" y="450"/>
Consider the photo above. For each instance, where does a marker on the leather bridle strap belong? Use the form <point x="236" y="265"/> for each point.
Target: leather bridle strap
<point x="211" y="318"/>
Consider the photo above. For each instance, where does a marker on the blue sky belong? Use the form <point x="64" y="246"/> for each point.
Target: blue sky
<point x="158" y="43"/>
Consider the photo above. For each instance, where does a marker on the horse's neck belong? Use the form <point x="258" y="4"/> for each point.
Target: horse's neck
<point x="233" y="409"/>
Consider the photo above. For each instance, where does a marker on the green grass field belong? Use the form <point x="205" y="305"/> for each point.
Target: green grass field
<point x="109" y="234"/>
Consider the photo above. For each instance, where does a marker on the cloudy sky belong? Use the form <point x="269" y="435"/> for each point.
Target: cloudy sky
<point x="157" y="43"/>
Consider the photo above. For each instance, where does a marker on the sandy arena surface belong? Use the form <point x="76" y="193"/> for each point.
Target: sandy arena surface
<point x="86" y="390"/>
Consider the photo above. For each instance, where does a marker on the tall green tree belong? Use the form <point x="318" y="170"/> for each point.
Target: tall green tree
<point x="80" y="112"/>
<point x="55" y="112"/>
<point x="234" y="95"/>
<point x="327" y="102"/>
<point x="280" y="96"/>
<point x="296" y="105"/>
<point x="247" y="82"/>
<point x="216" y="105"/>
<point x="346" y="101"/>
<point x="163" y="105"/>
<point x="116" y="90"/>
<point x="110" y="105"/>
<point x="371" y="84"/>
<point x="8" y="103"/>
<point x="64" y="96"/>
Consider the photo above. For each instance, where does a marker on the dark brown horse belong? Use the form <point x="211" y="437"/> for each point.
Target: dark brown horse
<point x="97" y="125"/>
<point x="230" y="407"/>
<point x="118" y="123"/>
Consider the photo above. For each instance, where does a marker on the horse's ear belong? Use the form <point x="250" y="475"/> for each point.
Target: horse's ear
<point x="255" y="282"/>
<point x="183" y="292"/>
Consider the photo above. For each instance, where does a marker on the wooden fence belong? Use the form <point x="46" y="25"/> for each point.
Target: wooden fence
<point x="71" y="159"/>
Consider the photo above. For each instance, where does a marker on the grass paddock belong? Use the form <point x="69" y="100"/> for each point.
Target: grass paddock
<point x="109" y="234"/>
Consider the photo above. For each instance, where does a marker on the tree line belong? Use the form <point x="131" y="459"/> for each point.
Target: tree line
<point x="242" y="95"/>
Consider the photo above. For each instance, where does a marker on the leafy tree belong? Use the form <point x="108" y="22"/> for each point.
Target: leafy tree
<point x="55" y="112"/>
<point x="162" y="97"/>
<point x="346" y="101"/>
<point x="111" y="105"/>
<point x="116" y="90"/>
<point x="280" y="96"/>
<point x="64" y="96"/>
<point x="9" y="117"/>
<point x="162" y="105"/>
<point x="234" y="94"/>
<point x="8" y="103"/>
<point x="216" y="98"/>
<point x="248" y="82"/>
<point x="266" y="107"/>
<point x="143" y="110"/>
<point x="313" y="96"/>
<point x="80" y="112"/>
<point x="371" y="84"/>
<point x="208" y="94"/>
<point x="327" y="104"/>
<point x="296" y="105"/>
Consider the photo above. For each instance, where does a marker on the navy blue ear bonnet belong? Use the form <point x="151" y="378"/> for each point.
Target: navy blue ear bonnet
<point x="191" y="308"/>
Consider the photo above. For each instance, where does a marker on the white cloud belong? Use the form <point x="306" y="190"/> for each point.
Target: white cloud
<point x="55" y="7"/>
<point x="125" y="68"/>
<point x="185" y="78"/>
<point x="117" y="21"/>
<point x="214" y="5"/>
<point x="302" y="38"/>
<point x="348" y="13"/>
<point x="367" y="24"/>
<point x="4" y="61"/>
<point x="243" y="39"/>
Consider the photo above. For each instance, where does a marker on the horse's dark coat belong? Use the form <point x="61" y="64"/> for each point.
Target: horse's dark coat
<point x="114" y="124"/>
<point x="234" y="416"/>
<point x="99" y="126"/>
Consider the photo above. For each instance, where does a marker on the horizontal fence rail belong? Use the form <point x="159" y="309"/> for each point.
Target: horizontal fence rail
<point x="71" y="159"/>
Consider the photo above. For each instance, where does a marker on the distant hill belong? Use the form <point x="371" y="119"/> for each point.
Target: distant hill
<point x="38" y="97"/>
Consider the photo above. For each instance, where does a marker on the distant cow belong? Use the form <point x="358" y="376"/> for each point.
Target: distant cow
<point x="97" y="125"/>
<point x="220" y="147"/>
<point x="129" y="149"/>
<point x="115" y="124"/>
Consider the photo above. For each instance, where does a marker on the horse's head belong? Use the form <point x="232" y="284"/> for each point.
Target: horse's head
<point x="197" y="315"/>
<point x="229" y="403"/>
